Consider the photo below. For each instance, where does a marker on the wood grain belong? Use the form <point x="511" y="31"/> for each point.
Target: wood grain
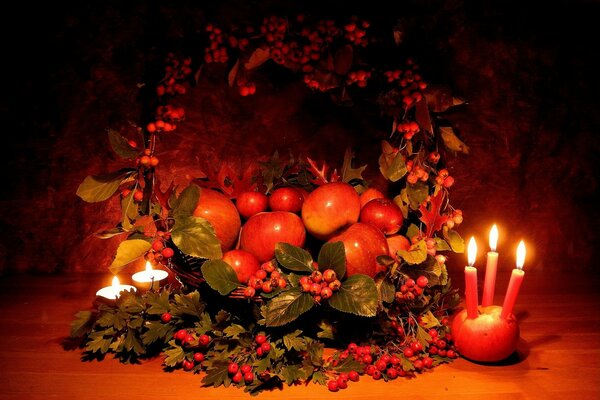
<point x="558" y="356"/>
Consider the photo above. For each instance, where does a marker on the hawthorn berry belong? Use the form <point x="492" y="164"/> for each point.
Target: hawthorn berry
<point x="418" y="364"/>
<point x="204" y="340"/>
<point x="157" y="245"/>
<point x="451" y="354"/>
<point x="245" y="368"/>
<point x="249" y="292"/>
<point x="266" y="347"/>
<point x="417" y="347"/>
<point x="422" y="281"/>
<point x="237" y="377"/>
<point x="332" y="385"/>
<point x="167" y="252"/>
<point x="198" y="357"/>
<point x="342" y="383"/>
<point x="180" y="335"/>
<point x="260" y="339"/>
<point x="353" y="376"/>
<point x="188" y="365"/>
<point x="232" y="368"/>
<point x="166" y="317"/>
<point x="381" y="365"/>
<point x="138" y="195"/>
<point x="408" y="352"/>
<point x="249" y="377"/>
<point x="392" y="373"/>
<point x="376" y="374"/>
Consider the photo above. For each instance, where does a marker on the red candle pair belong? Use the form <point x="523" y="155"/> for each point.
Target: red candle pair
<point x="490" y="278"/>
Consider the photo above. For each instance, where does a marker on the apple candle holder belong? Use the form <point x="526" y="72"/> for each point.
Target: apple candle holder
<point x="487" y="337"/>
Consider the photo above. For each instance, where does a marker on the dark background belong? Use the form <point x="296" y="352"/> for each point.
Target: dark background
<point x="526" y="70"/>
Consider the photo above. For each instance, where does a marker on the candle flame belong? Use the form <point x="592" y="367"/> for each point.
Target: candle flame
<point x="521" y="254"/>
<point x="493" y="237"/>
<point x="148" y="266"/>
<point x="115" y="282"/>
<point x="472" y="251"/>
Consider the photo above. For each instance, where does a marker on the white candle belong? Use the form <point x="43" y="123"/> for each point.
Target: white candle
<point x="150" y="278"/>
<point x="471" y="280"/>
<point x="112" y="292"/>
<point x="490" y="269"/>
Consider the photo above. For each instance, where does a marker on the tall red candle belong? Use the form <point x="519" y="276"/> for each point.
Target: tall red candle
<point x="471" y="299"/>
<point x="490" y="270"/>
<point x="516" y="278"/>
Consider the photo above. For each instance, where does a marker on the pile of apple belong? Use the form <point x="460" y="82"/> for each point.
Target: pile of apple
<point x="366" y="224"/>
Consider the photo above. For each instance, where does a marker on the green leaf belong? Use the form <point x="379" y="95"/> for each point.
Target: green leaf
<point x="196" y="237"/>
<point x="173" y="355"/>
<point x="349" y="364"/>
<point x="133" y="343"/>
<point x="220" y="276"/>
<point x="129" y="210"/>
<point x="391" y="164"/>
<point x="257" y="58"/>
<point x="109" y="233"/>
<point x="320" y="378"/>
<point x="188" y="304"/>
<point x="422" y="336"/>
<point x="120" y="145"/>
<point x="293" y="258"/>
<point x="315" y="351"/>
<point x="441" y="244"/>
<point x="101" y="187"/>
<point x="406" y="364"/>
<point x="386" y="290"/>
<point x="291" y="374"/>
<point x="187" y="202"/>
<point x="451" y="141"/>
<point x="423" y="117"/>
<point x="429" y="320"/>
<point x="204" y="325"/>
<point x="99" y="341"/>
<point x="456" y="242"/>
<point x="348" y="173"/>
<point x="402" y="201"/>
<point x="292" y="341"/>
<point x="217" y="375"/>
<point x="158" y="302"/>
<point x="288" y="306"/>
<point x="234" y="330"/>
<point x="417" y="193"/>
<point x="156" y="331"/>
<point x="412" y="231"/>
<point x="416" y="255"/>
<point x="333" y="256"/>
<point x="358" y="295"/>
<point x="128" y="251"/>
<point x="82" y="324"/>
<point x="326" y="331"/>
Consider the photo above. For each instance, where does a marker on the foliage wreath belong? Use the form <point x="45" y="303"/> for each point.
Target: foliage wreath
<point x="259" y="339"/>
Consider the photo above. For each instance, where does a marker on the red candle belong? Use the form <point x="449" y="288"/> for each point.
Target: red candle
<point x="490" y="269"/>
<point x="471" y="280"/>
<point x="516" y="278"/>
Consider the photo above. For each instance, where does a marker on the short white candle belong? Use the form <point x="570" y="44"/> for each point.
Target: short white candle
<point x="112" y="292"/>
<point x="150" y="278"/>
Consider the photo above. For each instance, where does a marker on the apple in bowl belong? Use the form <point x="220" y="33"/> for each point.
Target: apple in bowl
<point x="222" y="214"/>
<point x="363" y="243"/>
<point x="329" y="209"/>
<point x="263" y="231"/>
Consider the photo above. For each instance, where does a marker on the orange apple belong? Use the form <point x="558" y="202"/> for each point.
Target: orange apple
<point x="263" y="231"/>
<point x="395" y="243"/>
<point x="383" y="214"/>
<point x="330" y="209"/>
<point x="244" y="264"/>
<point x="370" y="194"/>
<point x="222" y="215"/>
<point x="363" y="243"/>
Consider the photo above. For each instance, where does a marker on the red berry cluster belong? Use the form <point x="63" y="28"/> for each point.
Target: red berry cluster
<point x="320" y="285"/>
<point x="246" y="89"/>
<point x="408" y="129"/>
<point x="411" y="289"/>
<point x="341" y="382"/>
<point x="444" y="179"/>
<point x="456" y="218"/>
<point x="410" y="82"/>
<point x="147" y="159"/>
<point x="216" y="50"/>
<point x="189" y="340"/>
<point x="266" y="279"/>
<point x="262" y="345"/>
<point x="176" y="72"/>
<point x="158" y="253"/>
<point x="441" y="346"/>
<point x="356" y="31"/>
<point x="416" y="173"/>
<point x="239" y="373"/>
<point x="273" y="28"/>
<point x="359" y="77"/>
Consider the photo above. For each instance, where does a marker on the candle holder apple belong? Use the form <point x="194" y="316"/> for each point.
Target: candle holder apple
<point x="488" y="337"/>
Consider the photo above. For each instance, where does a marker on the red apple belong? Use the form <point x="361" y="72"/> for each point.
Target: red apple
<point x="244" y="264"/>
<point x="487" y="338"/>
<point x="330" y="209"/>
<point x="370" y="194"/>
<point x="250" y="203"/>
<point x="383" y="214"/>
<point x="222" y="215"/>
<point x="395" y="243"/>
<point x="263" y="231"/>
<point x="286" y="199"/>
<point x="363" y="243"/>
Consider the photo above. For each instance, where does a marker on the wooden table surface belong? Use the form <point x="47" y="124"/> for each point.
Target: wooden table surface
<point x="558" y="356"/>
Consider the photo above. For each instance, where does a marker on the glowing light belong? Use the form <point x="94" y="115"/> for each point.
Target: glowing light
<point x="521" y="252"/>
<point x="493" y="237"/>
<point x="472" y="251"/>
